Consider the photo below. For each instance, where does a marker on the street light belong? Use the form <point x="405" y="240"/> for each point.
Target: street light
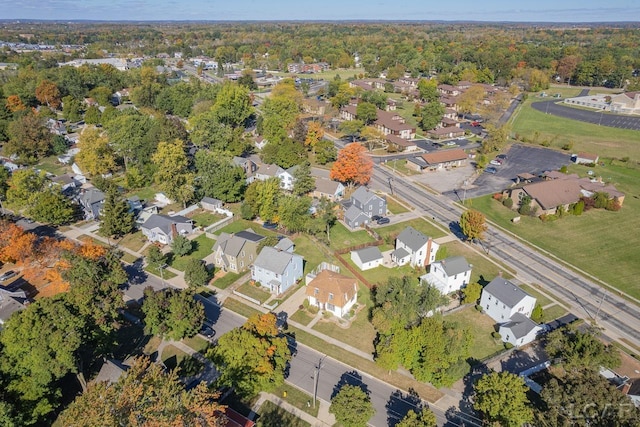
<point x="390" y="186"/>
<point x="316" y="374"/>
<point x="161" y="268"/>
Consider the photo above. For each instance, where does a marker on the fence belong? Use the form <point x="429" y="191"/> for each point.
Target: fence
<point x="247" y="297"/>
<point x="378" y="242"/>
<point x="354" y="271"/>
<point x="218" y="225"/>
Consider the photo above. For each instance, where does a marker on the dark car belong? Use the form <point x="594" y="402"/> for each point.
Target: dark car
<point x="376" y="217"/>
<point x="491" y="170"/>
<point x="383" y="220"/>
<point x="207" y="332"/>
<point x="501" y="156"/>
<point x="270" y="225"/>
<point x="7" y="275"/>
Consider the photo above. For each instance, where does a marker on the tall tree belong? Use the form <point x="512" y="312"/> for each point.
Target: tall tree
<point x="29" y="138"/>
<point x="351" y="128"/>
<point x="115" y="218"/>
<point x="353" y="166"/>
<point x="502" y="398"/>
<point x="352" y="406"/>
<point x="279" y="114"/>
<point x="428" y="90"/>
<point x="432" y="113"/>
<point x="172" y="313"/>
<point x="145" y="395"/>
<point x="424" y="418"/>
<point x="233" y="105"/>
<point x="325" y="152"/>
<point x="96" y="155"/>
<point x="578" y="350"/>
<point x="196" y="274"/>
<point x="293" y="213"/>
<point x="172" y="173"/>
<point x="71" y="109"/>
<point x="23" y="187"/>
<point x="47" y="93"/>
<point x="218" y="177"/>
<point x="314" y="134"/>
<point x="473" y="224"/>
<point x="253" y="357"/>
<point x="181" y="245"/>
<point x="366" y="112"/>
<point x="303" y="182"/>
<point x="51" y="207"/>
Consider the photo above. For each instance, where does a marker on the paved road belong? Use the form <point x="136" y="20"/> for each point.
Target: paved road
<point x="599" y="118"/>
<point x="619" y="318"/>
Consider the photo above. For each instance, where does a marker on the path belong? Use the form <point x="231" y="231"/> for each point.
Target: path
<point x="324" y="418"/>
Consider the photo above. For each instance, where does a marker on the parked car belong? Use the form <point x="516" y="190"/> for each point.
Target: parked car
<point x="270" y="225"/>
<point x="383" y="220"/>
<point x="207" y="331"/>
<point x="491" y="170"/>
<point x="376" y="217"/>
<point x="7" y="275"/>
<point x="451" y="143"/>
<point x="502" y="157"/>
<point x="496" y="162"/>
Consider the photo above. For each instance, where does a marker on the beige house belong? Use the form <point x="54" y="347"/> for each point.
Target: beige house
<point x="332" y="292"/>
<point x="236" y="252"/>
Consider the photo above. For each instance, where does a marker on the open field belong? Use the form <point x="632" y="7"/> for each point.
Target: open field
<point x="599" y="242"/>
<point x="327" y="75"/>
<point x="243" y="224"/>
<point x="603" y="140"/>
<point x="204" y="219"/>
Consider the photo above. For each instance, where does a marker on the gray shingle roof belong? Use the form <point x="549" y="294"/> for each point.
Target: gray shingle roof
<point x="369" y="254"/>
<point x="505" y="291"/>
<point x="91" y="196"/>
<point x="353" y="213"/>
<point x="520" y="325"/>
<point x="413" y="238"/>
<point x="211" y="201"/>
<point x="363" y="195"/>
<point x="163" y="222"/>
<point x="284" y="244"/>
<point x="455" y="265"/>
<point x="274" y="260"/>
<point x="399" y="253"/>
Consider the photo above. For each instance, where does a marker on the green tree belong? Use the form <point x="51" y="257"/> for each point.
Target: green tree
<point x="29" y="139"/>
<point x="472" y="293"/>
<point x="578" y="350"/>
<point x="303" y="182"/>
<point x="473" y="224"/>
<point x="432" y="113"/>
<point x="172" y="174"/>
<point x="181" y="246"/>
<point x="4" y="183"/>
<point x="23" y="187"/>
<point x="196" y="274"/>
<point x="172" y="313"/>
<point x="253" y="357"/>
<point x="284" y="153"/>
<point x="92" y="115"/>
<point x="351" y="128"/>
<point x="279" y="115"/>
<point x="115" y="218"/>
<point x="247" y="80"/>
<point x="424" y="418"/>
<point x="325" y="151"/>
<point x="51" y="207"/>
<point x="366" y="112"/>
<point x="502" y="398"/>
<point x="59" y="145"/>
<point x="428" y="90"/>
<point x="538" y="313"/>
<point x="96" y="155"/>
<point x="293" y="213"/>
<point x="233" y="104"/>
<point x="155" y="257"/>
<point x="145" y="394"/>
<point x="71" y="109"/>
<point x="219" y="178"/>
<point x="352" y="406"/>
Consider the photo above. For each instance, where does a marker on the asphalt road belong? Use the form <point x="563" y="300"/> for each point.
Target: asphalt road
<point x="586" y="298"/>
<point x="598" y="118"/>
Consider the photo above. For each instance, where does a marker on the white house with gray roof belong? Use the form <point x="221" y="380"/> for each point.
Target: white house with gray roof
<point x="501" y="299"/>
<point x="277" y="270"/>
<point x="448" y="275"/>
<point x="414" y="248"/>
<point x="163" y="228"/>
<point x="519" y="330"/>
<point x="367" y="258"/>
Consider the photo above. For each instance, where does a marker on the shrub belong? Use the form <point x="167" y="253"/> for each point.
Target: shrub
<point x="537" y="314"/>
<point x="589" y="203"/>
<point x="497" y="196"/>
<point x="578" y="208"/>
<point x="613" y="205"/>
<point x="524" y="210"/>
<point x="508" y="345"/>
<point x="305" y="304"/>
<point x="496" y="335"/>
<point x="546" y="143"/>
<point x="479" y="308"/>
<point x="564" y="169"/>
<point x="313" y="309"/>
<point x="508" y="202"/>
<point x="568" y="146"/>
<point x="624" y="159"/>
<point x="548" y="217"/>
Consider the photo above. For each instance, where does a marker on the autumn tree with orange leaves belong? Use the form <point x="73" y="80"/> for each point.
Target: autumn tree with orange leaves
<point x="47" y="93"/>
<point x="353" y="166"/>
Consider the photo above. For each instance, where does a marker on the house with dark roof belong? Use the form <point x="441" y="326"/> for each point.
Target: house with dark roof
<point x="367" y="258"/>
<point x="92" y="201"/>
<point x="414" y="248"/>
<point x="277" y="270"/>
<point x="332" y="292"/>
<point x="11" y="302"/>
<point x="519" y="330"/>
<point x="236" y="252"/>
<point x="363" y="205"/>
<point x="448" y="275"/>
<point x="163" y="228"/>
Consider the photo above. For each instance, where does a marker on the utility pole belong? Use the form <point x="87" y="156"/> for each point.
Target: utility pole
<point x="316" y="374"/>
<point x="161" y="268"/>
<point x="595" y="318"/>
<point x="390" y="186"/>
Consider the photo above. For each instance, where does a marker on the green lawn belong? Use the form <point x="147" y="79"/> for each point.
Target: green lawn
<point x="395" y="207"/>
<point x="600" y="242"/>
<point x="147" y="193"/>
<point x="483" y="270"/>
<point x="198" y="344"/>
<point x="604" y="140"/>
<point x="202" y="246"/>
<point x="400" y="165"/>
<point x="553" y="312"/>
<point x="243" y="224"/>
<point x="302" y="316"/>
<point x="253" y="291"/>
<point x="134" y="241"/>
<point x="312" y="252"/>
<point x="271" y="415"/>
<point x="173" y="357"/>
<point x="239" y="307"/>
<point x="481" y="327"/>
<point x="361" y="333"/>
<point x="226" y="280"/>
<point x="419" y="224"/>
<point x="128" y="258"/>
<point x="540" y="299"/>
<point x="166" y="274"/>
<point x="382" y="274"/>
<point x="297" y="398"/>
<point x="205" y="219"/>
<point x="342" y="238"/>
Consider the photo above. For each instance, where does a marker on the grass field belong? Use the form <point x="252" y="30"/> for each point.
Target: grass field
<point x="342" y="238"/>
<point x="223" y="282"/>
<point x="481" y="327"/>
<point x="134" y="241"/>
<point x="243" y="224"/>
<point x="311" y="251"/>
<point x="272" y="415"/>
<point x="255" y="292"/>
<point x="196" y="343"/>
<point x="173" y="357"/>
<point x="553" y="312"/>
<point x="394" y="206"/>
<point x="302" y="316"/>
<point x="483" y="270"/>
<point x="205" y="219"/>
<point x="382" y="274"/>
<point x="599" y="242"/>
<point x="50" y="164"/>
<point x="604" y="140"/>
<point x="202" y="246"/>
<point x="400" y="165"/>
<point x="419" y="224"/>
<point x="297" y="398"/>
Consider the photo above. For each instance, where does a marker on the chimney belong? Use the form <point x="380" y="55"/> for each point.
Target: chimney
<point x="174" y="230"/>
<point x="625" y="388"/>
<point x="500" y="273"/>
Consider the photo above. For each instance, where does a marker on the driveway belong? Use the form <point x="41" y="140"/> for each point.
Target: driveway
<point x="595" y="117"/>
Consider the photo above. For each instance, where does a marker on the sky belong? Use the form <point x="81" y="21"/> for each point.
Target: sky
<point x="240" y="10"/>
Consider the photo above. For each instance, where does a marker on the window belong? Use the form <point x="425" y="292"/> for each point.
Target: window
<point x="316" y="291"/>
<point x="487" y="306"/>
<point x="243" y="254"/>
<point x="241" y="264"/>
<point x="331" y="307"/>
<point x="330" y="297"/>
<point x="489" y="298"/>
<point x="507" y="338"/>
<point x="455" y="277"/>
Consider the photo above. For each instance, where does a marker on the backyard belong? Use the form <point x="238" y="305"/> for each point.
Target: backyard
<point x="202" y="218"/>
<point x="202" y="246"/>
<point x="312" y="252"/>
<point x="342" y="238"/>
<point x="382" y="274"/>
<point x="481" y="326"/>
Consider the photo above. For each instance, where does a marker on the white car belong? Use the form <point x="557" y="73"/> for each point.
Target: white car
<point x="451" y="143"/>
<point x="495" y="162"/>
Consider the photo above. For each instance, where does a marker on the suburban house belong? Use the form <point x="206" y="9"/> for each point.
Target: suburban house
<point x="287" y="179"/>
<point x="265" y="171"/>
<point x="248" y="166"/>
<point x="163" y="228"/>
<point x="277" y="270"/>
<point x="401" y="144"/>
<point x="438" y="160"/>
<point x="10" y="302"/>
<point x="332" y="190"/>
<point x="560" y="190"/>
<point x="111" y="371"/>
<point x="367" y="258"/>
<point x="448" y="275"/>
<point x="332" y="292"/>
<point x="236" y="252"/>
<point x="444" y="132"/>
<point x="91" y="201"/>
<point x="66" y="182"/>
<point x="585" y="158"/>
<point x="210" y="204"/>
<point x="387" y="123"/>
<point x="260" y="142"/>
<point x="414" y="248"/>
<point x="362" y="205"/>
<point x="501" y="299"/>
<point x="519" y="330"/>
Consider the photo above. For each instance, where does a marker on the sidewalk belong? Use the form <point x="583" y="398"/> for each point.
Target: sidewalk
<point x="324" y="417"/>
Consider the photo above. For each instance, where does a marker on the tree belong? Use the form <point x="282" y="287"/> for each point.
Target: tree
<point x="303" y="182"/>
<point x="51" y="207"/>
<point x="473" y="224"/>
<point x="538" y="313"/>
<point x="47" y="93"/>
<point x="233" y="104"/>
<point x="96" y="155"/>
<point x="129" y="134"/>
<point x="171" y="313"/>
<point x="279" y="114"/>
<point x="502" y="398"/>
<point x="432" y="113"/>
<point x="351" y="128"/>
<point x="145" y="394"/>
<point x="155" y="257"/>
<point x="314" y="134"/>
<point x="424" y="418"/>
<point x="284" y="153"/>
<point x="373" y="136"/>
<point x="115" y="218"/>
<point x="172" y="174"/>
<point x="325" y="152"/>
<point x="23" y="187"/>
<point x="247" y="80"/>
<point x="219" y="178"/>
<point x="181" y="246"/>
<point x="71" y="109"/>
<point x="196" y="274"/>
<point x="579" y="350"/>
<point x="59" y="145"/>
<point x="471" y="99"/>
<point x="428" y="90"/>
<point x="472" y="293"/>
<point x="293" y="213"/>
<point x="92" y="115"/>
<point x="366" y="112"/>
<point x="253" y="357"/>
<point x="29" y="138"/>
<point x="15" y="104"/>
<point x="353" y="166"/>
<point x="4" y="183"/>
<point x="262" y="197"/>
<point x="352" y="406"/>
